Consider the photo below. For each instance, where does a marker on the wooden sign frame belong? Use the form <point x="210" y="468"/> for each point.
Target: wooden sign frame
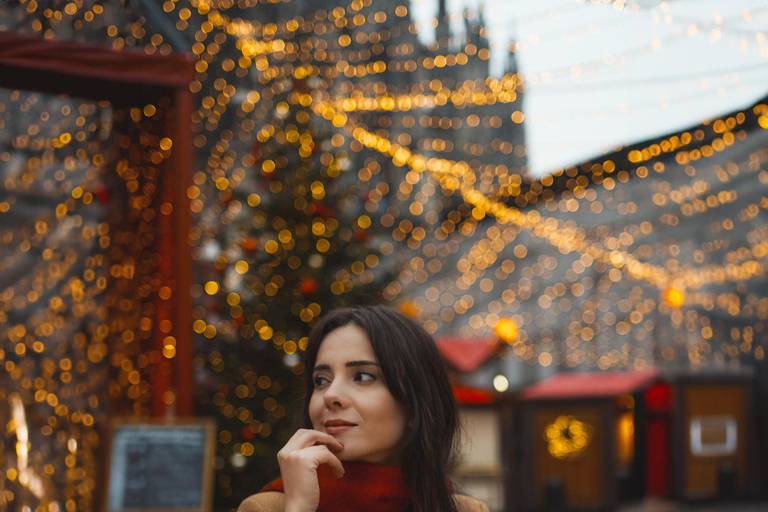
<point x="208" y="425"/>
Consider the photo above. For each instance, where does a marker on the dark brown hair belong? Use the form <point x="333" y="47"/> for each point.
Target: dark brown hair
<point x="414" y="372"/>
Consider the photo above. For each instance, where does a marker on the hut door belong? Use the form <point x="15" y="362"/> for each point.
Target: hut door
<point x="658" y="461"/>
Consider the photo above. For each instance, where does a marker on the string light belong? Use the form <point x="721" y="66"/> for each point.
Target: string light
<point x="460" y="98"/>
<point x="566" y="240"/>
<point x="674" y="297"/>
<point x="26" y="475"/>
<point x="506" y="330"/>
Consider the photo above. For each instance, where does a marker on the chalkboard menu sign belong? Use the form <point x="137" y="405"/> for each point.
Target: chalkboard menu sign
<point x="161" y="466"/>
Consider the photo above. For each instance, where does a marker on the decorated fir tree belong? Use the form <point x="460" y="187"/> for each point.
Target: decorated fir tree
<point x="298" y="246"/>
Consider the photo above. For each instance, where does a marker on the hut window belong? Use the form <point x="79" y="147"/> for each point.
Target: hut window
<point x="713" y="435"/>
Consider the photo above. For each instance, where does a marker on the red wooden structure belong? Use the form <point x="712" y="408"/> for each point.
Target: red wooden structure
<point x="658" y="458"/>
<point x="129" y="77"/>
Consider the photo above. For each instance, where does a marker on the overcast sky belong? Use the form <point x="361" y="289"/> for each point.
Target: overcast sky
<point x="602" y="74"/>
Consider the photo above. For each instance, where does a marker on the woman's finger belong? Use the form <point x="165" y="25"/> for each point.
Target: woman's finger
<point x="304" y="438"/>
<point x="322" y="455"/>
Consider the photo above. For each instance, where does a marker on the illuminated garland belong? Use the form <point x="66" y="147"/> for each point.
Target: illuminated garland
<point x="565" y="239"/>
<point x="567" y="437"/>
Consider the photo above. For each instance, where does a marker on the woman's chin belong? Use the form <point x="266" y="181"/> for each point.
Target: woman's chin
<point x="349" y="455"/>
<point x="345" y="457"/>
<point x="366" y="458"/>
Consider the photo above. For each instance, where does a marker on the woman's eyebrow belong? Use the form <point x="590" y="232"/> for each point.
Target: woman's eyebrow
<point x="361" y="363"/>
<point x="347" y="364"/>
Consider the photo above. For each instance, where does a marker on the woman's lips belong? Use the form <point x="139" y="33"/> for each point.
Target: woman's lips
<point x="338" y="429"/>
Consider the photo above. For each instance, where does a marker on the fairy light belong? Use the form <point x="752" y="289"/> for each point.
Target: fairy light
<point x="611" y="358"/>
<point x="500" y="383"/>
<point x="506" y="330"/>
<point x="568" y="240"/>
<point x="26" y="475"/>
<point x="405" y="102"/>
<point x="252" y="47"/>
<point x="674" y="297"/>
<point x="701" y="277"/>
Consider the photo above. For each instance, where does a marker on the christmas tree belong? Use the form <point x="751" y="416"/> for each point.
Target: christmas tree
<point x="298" y="245"/>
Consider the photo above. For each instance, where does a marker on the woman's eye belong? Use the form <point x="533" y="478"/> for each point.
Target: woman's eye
<point x="365" y="377"/>
<point x="320" y="380"/>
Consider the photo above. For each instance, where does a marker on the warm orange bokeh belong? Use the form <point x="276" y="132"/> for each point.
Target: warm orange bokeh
<point x="674" y="297"/>
<point x="506" y="330"/>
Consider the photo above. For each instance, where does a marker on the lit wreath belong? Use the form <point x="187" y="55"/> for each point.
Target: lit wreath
<point x="567" y="437"/>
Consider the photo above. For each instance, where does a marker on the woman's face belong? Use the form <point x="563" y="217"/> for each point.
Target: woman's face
<point x="351" y="402"/>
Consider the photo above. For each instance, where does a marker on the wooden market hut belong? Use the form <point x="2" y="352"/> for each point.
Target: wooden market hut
<point x="577" y="441"/>
<point x="713" y="434"/>
<point x="485" y="416"/>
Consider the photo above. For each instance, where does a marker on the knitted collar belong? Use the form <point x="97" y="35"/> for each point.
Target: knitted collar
<point x="364" y="486"/>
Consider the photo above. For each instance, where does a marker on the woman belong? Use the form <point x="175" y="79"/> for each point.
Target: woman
<point x="379" y="423"/>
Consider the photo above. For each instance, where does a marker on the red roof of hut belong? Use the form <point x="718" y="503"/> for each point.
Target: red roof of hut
<point x="589" y="385"/>
<point x="466" y="354"/>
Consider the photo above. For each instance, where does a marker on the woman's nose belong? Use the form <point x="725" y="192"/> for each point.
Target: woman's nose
<point x="335" y="395"/>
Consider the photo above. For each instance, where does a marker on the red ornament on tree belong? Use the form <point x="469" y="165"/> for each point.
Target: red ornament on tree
<point x="250" y="244"/>
<point x="102" y="194"/>
<point x="323" y="211"/>
<point x="256" y="151"/>
<point x="308" y="286"/>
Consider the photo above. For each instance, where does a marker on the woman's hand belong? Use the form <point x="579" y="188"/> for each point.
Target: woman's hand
<point x="299" y="460"/>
